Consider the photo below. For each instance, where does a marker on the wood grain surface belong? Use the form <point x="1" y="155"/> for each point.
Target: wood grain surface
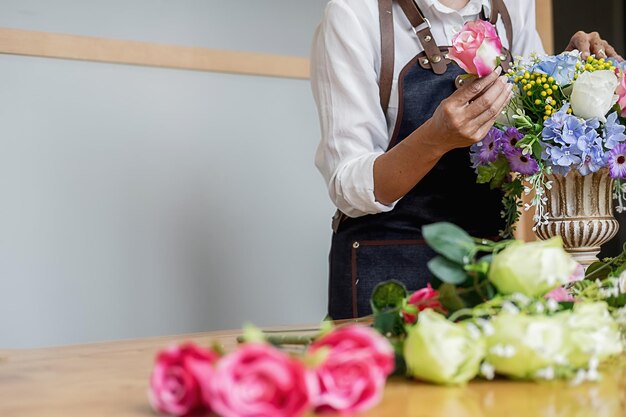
<point x="110" y="379"/>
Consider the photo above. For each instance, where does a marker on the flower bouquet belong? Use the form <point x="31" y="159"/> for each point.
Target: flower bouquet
<point x="566" y="119"/>
<point x="514" y="309"/>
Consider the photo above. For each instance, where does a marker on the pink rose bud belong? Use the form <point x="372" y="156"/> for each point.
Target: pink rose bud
<point x="560" y="294"/>
<point x="258" y="380"/>
<point x="423" y="299"/>
<point x="179" y="381"/>
<point x="621" y="92"/>
<point x="352" y="377"/>
<point x="476" y="48"/>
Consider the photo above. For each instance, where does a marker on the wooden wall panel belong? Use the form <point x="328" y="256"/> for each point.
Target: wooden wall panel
<point x="87" y="48"/>
<point x="545" y="24"/>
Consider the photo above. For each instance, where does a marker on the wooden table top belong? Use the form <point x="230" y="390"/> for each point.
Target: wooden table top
<point x="110" y="379"/>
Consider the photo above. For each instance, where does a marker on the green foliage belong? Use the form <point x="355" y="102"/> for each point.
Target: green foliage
<point x="449" y="298"/>
<point x="512" y="203"/>
<point x="447" y="271"/>
<point x="494" y="173"/>
<point x="449" y="240"/>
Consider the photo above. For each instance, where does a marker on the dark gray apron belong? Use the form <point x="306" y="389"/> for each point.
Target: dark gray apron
<point x="374" y="248"/>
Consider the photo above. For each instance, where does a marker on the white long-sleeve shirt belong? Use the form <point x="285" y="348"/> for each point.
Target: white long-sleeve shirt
<point x="345" y="66"/>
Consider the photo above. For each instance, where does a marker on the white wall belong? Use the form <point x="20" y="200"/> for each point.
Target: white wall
<point x="141" y="201"/>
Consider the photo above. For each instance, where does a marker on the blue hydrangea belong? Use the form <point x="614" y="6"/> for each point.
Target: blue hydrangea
<point x="563" y="156"/>
<point x="553" y="126"/>
<point x="591" y="153"/>
<point x="613" y="131"/>
<point x="561" y="67"/>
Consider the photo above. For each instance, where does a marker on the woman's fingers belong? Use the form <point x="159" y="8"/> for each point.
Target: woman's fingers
<point x="476" y="87"/>
<point x="489" y="105"/>
<point x="592" y="44"/>
<point x="490" y="116"/>
<point x="580" y="41"/>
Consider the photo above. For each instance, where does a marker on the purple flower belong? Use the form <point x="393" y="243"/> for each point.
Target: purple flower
<point x="613" y="131"/>
<point x="486" y="150"/>
<point x="524" y="164"/>
<point x="617" y="161"/>
<point x="510" y="138"/>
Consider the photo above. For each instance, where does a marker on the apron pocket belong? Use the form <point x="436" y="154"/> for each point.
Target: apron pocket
<point x="376" y="261"/>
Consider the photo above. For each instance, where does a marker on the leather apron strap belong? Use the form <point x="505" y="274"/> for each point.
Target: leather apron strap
<point x="387" y="50"/>
<point x="421" y="27"/>
<point x="499" y="8"/>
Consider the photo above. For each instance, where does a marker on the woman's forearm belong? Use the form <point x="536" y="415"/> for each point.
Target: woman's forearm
<point x="397" y="171"/>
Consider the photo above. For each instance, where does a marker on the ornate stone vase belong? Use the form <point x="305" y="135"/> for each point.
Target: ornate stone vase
<point x="580" y="210"/>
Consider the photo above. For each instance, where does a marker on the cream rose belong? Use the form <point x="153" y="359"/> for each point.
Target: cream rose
<point x="593" y="94"/>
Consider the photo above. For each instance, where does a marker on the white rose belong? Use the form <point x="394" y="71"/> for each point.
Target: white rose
<point x="437" y="350"/>
<point x="593" y="333"/>
<point x="522" y="346"/>
<point x="532" y="269"/>
<point x="593" y="94"/>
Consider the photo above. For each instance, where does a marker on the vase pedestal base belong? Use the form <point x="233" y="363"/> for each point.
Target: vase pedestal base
<point x="584" y="256"/>
<point x="580" y="210"/>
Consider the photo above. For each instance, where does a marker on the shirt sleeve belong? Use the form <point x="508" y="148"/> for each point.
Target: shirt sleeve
<point x="526" y="38"/>
<point x="354" y="131"/>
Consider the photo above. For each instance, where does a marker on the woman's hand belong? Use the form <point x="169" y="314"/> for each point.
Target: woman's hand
<point x="592" y="44"/>
<point x="466" y="116"/>
<point x="461" y="120"/>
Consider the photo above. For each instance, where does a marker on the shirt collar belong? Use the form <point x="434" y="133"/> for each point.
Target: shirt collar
<point x="443" y="9"/>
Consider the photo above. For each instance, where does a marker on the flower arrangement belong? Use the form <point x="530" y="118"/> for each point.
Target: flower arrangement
<point x="566" y="114"/>
<point x="508" y="308"/>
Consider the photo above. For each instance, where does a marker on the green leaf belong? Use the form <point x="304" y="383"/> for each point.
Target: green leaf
<point x="388" y="294"/>
<point x="447" y="271"/>
<point x="537" y="150"/>
<point x="502" y="169"/>
<point x="594" y="271"/>
<point x="617" y="302"/>
<point x="449" y="240"/>
<point x="485" y="174"/>
<point x="449" y="298"/>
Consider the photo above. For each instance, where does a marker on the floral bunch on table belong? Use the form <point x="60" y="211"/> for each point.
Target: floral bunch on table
<point x="514" y="309"/>
<point x="343" y="370"/>
<point x="566" y="114"/>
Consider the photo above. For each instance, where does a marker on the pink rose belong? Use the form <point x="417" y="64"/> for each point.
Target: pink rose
<point x="560" y="294"/>
<point x="621" y="92"/>
<point x="180" y="378"/>
<point x="423" y="299"/>
<point x="476" y="48"/>
<point x="258" y="380"/>
<point x="353" y="374"/>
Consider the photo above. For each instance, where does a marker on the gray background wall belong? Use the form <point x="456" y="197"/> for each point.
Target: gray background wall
<point x="142" y="201"/>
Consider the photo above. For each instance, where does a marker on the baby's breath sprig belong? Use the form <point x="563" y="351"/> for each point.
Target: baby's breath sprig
<point x="539" y="184"/>
<point x="619" y="194"/>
